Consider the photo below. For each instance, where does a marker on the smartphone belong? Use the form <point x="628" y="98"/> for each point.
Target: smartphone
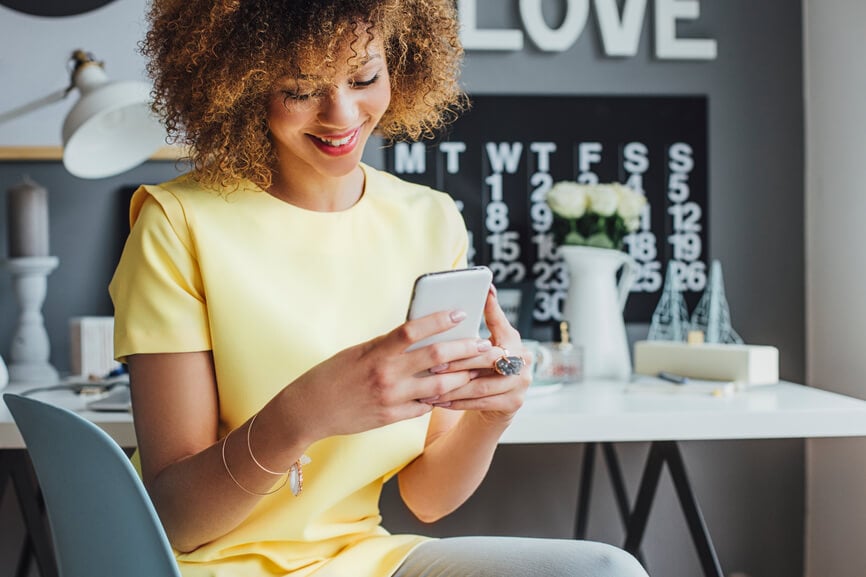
<point x="462" y="289"/>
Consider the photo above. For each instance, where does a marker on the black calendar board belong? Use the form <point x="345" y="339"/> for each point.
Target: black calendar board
<point x="500" y="158"/>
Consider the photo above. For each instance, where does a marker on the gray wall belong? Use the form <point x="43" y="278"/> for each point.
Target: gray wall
<point x="835" y="144"/>
<point x="87" y="221"/>
<point x="752" y="492"/>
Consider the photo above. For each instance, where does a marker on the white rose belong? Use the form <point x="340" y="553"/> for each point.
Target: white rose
<point x="632" y="224"/>
<point x="567" y="199"/>
<point x="631" y="202"/>
<point x="603" y="199"/>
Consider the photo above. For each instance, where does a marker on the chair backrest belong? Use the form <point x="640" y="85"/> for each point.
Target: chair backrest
<point x="102" y="521"/>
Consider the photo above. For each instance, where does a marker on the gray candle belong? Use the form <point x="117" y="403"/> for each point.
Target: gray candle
<point x="27" y="213"/>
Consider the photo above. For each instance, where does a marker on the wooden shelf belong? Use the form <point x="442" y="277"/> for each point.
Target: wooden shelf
<point x="55" y="153"/>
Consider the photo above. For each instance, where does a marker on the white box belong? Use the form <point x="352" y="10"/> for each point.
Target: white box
<point x="91" y="346"/>
<point x="743" y="364"/>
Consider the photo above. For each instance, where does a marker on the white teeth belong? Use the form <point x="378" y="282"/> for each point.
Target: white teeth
<point x="341" y="142"/>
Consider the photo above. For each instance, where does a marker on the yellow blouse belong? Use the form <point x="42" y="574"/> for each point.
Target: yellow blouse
<point x="273" y="289"/>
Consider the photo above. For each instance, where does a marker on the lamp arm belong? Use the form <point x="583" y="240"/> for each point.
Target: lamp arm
<point x="35" y="105"/>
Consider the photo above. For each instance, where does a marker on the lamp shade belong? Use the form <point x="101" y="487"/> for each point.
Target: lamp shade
<point x="111" y="129"/>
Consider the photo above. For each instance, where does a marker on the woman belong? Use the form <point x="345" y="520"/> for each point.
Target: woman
<point x="260" y="300"/>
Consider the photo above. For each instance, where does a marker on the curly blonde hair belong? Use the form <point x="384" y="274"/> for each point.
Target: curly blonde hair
<point x="214" y="64"/>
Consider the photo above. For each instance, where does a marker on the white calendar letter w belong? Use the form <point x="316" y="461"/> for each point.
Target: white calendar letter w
<point x="504" y="156"/>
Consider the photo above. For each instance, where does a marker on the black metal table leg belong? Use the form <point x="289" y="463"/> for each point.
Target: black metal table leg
<point x="617" y="482"/>
<point x="585" y="491"/>
<point x="22" y="568"/>
<point x="24" y="558"/>
<point x="17" y="468"/>
<point x="694" y="515"/>
<point x="662" y="452"/>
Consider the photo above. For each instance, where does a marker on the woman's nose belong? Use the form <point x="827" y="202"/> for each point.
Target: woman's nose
<point x="339" y="108"/>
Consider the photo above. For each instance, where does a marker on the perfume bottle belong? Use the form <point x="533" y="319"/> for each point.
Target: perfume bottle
<point x="559" y="362"/>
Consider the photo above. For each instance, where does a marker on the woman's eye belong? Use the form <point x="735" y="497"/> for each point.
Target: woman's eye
<point x="299" y="96"/>
<point x="363" y="83"/>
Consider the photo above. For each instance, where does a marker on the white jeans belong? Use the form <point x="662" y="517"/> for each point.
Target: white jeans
<point x="518" y="557"/>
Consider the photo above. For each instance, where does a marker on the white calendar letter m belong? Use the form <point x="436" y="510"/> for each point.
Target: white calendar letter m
<point x="410" y="158"/>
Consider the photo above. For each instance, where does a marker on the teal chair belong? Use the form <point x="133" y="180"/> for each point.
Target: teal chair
<point x="102" y="521"/>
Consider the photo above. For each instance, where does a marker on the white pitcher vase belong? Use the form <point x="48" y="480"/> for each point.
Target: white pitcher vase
<point x="594" y="305"/>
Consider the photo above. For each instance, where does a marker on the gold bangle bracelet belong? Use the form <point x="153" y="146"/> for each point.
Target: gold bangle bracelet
<point x="253" y="457"/>
<point x="232" y="477"/>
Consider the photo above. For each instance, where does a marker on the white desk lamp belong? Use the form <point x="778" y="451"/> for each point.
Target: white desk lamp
<point x="111" y="128"/>
<point x="108" y="131"/>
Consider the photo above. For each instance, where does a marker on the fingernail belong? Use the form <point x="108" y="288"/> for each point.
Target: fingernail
<point x="438" y="368"/>
<point x="484" y="345"/>
<point x="493" y="290"/>
<point x="443" y="405"/>
<point x="457" y="316"/>
<point x="428" y="400"/>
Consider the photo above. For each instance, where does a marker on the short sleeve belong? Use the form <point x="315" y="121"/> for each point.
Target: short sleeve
<point x="157" y="291"/>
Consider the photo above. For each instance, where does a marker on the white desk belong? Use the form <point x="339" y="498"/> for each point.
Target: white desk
<point x="602" y="412"/>
<point x="117" y="424"/>
<point x="605" y="412"/>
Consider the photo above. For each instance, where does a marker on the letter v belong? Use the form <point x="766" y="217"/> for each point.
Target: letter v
<point x="620" y="36"/>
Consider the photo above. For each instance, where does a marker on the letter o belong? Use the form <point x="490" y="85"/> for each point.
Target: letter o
<point x="545" y="37"/>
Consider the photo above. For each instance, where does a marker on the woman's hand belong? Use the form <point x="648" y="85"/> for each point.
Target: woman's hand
<point x="494" y="396"/>
<point x="460" y="446"/>
<point x="377" y="382"/>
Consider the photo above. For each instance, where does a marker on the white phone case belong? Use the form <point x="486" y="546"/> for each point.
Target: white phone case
<point x="461" y="289"/>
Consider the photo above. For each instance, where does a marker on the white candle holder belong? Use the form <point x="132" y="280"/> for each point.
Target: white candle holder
<point x="4" y="374"/>
<point x="28" y="359"/>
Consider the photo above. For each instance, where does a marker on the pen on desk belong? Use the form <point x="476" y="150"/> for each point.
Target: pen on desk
<point x="673" y="378"/>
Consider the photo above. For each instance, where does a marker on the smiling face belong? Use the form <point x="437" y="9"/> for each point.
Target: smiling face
<point x="321" y="120"/>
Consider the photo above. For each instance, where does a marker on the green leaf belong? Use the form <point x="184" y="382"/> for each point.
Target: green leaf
<point x="574" y="238"/>
<point x="600" y="240"/>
